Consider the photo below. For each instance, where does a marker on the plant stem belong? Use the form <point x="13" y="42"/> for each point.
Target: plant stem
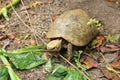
<point x="12" y="74"/>
<point x="4" y="10"/>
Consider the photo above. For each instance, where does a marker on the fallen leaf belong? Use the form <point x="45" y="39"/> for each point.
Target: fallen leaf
<point x="90" y="64"/>
<point x="11" y="35"/>
<point x="112" y="46"/>
<point x="109" y="75"/>
<point x="118" y="56"/>
<point x="100" y="40"/>
<point x="116" y="65"/>
<point x="106" y="49"/>
<point x="97" y="42"/>
<point x="54" y="17"/>
<point x="32" y="42"/>
<point x="5" y="43"/>
<point x="112" y="0"/>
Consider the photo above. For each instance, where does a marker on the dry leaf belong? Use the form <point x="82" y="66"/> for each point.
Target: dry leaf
<point x="32" y="42"/>
<point x="100" y="40"/>
<point x="104" y="49"/>
<point x="54" y="17"/>
<point x="108" y="74"/>
<point x="5" y="43"/>
<point x="90" y="64"/>
<point x="116" y="64"/>
<point x="11" y="35"/>
<point x="112" y="46"/>
<point x="118" y="56"/>
<point x="112" y="0"/>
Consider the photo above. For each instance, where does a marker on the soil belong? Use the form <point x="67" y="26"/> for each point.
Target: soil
<point x="42" y="15"/>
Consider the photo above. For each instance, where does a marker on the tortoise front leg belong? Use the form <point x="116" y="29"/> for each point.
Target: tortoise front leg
<point x="69" y="51"/>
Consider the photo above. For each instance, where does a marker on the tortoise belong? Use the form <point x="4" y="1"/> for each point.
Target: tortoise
<point x="71" y="26"/>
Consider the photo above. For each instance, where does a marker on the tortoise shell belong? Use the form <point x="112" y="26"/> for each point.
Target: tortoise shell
<point x="72" y="26"/>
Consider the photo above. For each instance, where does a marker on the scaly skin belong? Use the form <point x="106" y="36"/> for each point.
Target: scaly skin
<point x="54" y="45"/>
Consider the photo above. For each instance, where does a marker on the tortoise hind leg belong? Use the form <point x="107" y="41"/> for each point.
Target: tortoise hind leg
<point x="69" y="51"/>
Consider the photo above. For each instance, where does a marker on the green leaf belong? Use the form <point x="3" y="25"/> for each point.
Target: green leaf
<point x="94" y="21"/>
<point x="58" y="73"/>
<point x="52" y="77"/>
<point x="27" y="49"/>
<point x="77" y="58"/>
<point x="63" y="73"/>
<point x="48" y="66"/>
<point x="113" y="38"/>
<point x="74" y="75"/>
<point x="12" y="74"/>
<point x="3" y="73"/>
<point x="60" y="70"/>
<point x="27" y="60"/>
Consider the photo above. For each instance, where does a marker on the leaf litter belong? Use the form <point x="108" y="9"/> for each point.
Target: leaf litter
<point x="104" y="48"/>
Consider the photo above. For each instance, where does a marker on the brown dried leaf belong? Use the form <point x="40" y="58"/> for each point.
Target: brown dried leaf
<point x="99" y="40"/>
<point x="54" y="17"/>
<point x="112" y="0"/>
<point x="5" y="43"/>
<point x="11" y="35"/>
<point x="116" y="64"/>
<point x="32" y="42"/>
<point x="104" y="49"/>
<point x="108" y="74"/>
<point x="90" y="64"/>
<point x="112" y="46"/>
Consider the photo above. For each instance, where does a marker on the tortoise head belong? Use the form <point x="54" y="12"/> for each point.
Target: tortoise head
<point x="54" y="45"/>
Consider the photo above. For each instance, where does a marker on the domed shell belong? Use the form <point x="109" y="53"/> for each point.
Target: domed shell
<point x="72" y="26"/>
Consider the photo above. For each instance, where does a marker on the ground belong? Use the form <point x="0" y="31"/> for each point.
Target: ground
<point x="42" y="15"/>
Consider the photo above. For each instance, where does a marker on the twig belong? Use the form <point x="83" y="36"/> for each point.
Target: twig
<point x="29" y="27"/>
<point x="34" y="31"/>
<point x="29" y="20"/>
<point x="108" y="66"/>
<point x="75" y="67"/>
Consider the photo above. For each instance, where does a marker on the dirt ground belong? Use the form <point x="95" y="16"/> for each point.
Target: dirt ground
<point x="41" y="17"/>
